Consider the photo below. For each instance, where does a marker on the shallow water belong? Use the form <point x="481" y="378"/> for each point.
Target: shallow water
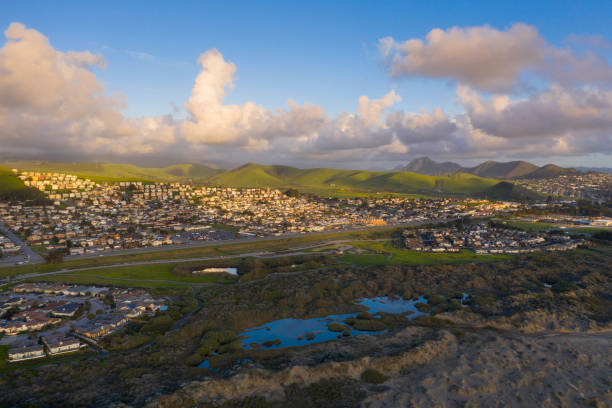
<point x="292" y="332"/>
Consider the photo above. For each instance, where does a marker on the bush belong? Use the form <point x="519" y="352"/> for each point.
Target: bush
<point x="335" y="327"/>
<point x="368" y="325"/>
<point x="373" y="377"/>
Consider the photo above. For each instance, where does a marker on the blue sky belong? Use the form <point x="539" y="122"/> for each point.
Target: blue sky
<point x="320" y="52"/>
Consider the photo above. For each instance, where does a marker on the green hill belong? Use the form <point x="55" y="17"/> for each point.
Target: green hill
<point x="13" y="189"/>
<point x="120" y="172"/>
<point x="509" y="192"/>
<point x="318" y="180"/>
<point x="323" y="179"/>
<point x="8" y="181"/>
<point x="551" y="170"/>
<point x="507" y="170"/>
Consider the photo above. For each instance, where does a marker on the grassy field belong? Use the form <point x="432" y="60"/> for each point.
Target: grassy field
<point x="383" y="253"/>
<point x="6" y="367"/>
<point x="530" y="226"/>
<point x="159" y="275"/>
<point x="210" y="251"/>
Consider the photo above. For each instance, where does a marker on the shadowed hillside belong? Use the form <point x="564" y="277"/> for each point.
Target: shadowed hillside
<point x="510" y="192"/>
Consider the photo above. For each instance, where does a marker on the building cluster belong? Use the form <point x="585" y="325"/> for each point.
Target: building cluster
<point x="8" y="247"/>
<point x="589" y="186"/>
<point x="88" y="217"/>
<point x="35" y="312"/>
<point x="483" y="239"/>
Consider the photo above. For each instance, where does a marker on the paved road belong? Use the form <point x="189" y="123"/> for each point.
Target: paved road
<point x="200" y="244"/>
<point x="34" y="257"/>
<point x="197" y="259"/>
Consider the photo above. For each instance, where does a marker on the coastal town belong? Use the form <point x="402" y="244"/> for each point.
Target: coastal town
<point x="39" y="319"/>
<point x="486" y="239"/>
<point x="91" y="218"/>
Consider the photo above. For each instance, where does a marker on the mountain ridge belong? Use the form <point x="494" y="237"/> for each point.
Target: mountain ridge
<point x="488" y="169"/>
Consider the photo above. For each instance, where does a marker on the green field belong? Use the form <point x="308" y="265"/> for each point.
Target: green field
<point x="530" y="226"/>
<point x="383" y="253"/>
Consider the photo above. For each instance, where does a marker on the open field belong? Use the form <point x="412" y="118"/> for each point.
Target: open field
<point x="248" y="246"/>
<point x="530" y="226"/>
<point x="383" y="253"/>
<point x="158" y="275"/>
<point x="6" y="367"/>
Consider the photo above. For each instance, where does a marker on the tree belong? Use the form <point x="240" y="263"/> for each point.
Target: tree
<point x="55" y="256"/>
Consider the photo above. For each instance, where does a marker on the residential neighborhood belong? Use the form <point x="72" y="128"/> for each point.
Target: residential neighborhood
<point x="39" y="319"/>
<point x="485" y="239"/>
<point x="89" y="218"/>
<point x="590" y="186"/>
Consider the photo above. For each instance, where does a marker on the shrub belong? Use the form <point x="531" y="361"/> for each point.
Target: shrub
<point x="373" y="377"/>
<point x="335" y="327"/>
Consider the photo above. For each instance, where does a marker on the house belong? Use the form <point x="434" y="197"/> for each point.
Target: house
<point x="77" y="251"/>
<point x="25" y="351"/>
<point x="60" y="343"/>
<point x="67" y="310"/>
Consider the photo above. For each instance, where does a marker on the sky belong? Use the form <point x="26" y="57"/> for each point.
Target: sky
<point x="344" y="84"/>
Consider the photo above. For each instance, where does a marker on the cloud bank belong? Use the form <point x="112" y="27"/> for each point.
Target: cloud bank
<point x="52" y="102"/>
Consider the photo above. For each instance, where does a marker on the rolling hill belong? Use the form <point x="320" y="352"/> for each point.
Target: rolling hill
<point x="117" y="172"/>
<point x="323" y="179"/>
<point x="509" y="170"/>
<point x="424" y="165"/>
<point x="318" y="180"/>
<point x="488" y="169"/>
<point x="505" y="190"/>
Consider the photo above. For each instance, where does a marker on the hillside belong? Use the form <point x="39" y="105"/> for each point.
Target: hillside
<point x="424" y="165"/>
<point x="13" y="189"/>
<point x="116" y="172"/>
<point x="318" y="180"/>
<point x="551" y="170"/>
<point x="323" y="179"/>
<point x="489" y="169"/>
<point x="510" y="192"/>
<point x="509" y="170"/>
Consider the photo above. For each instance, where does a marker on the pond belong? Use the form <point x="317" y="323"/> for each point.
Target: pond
<point x="300" y="332"/>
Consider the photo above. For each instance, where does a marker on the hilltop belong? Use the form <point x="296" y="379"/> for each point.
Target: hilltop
<point x="489" y="169"/>
<point x="424" y="165"/>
